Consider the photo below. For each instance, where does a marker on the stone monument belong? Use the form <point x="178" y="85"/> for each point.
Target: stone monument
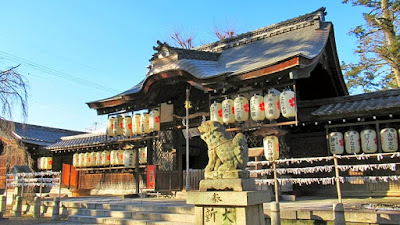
<point x="227" y="195"/>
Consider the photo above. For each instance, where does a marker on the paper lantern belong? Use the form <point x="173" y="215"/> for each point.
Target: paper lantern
<point x="136" y="125"/>
<point x="49" y="163"/>
<point x="113" y="157"/>
<point x="242" y="108"/>
<point x="120" y="157"/>
<point x="127" y="131"/>
<point x="216" y="112"/>
<point x="389" y="140"/>
<point x="129" y="158"/>
<point x="272" y="106"/>
<point x="80" y="159"/>
<point x="75" y="160"/>
<point x="271" y="148"/>
<point x="118" y="125"/>
<point x="143" y="155"/>
<point x="352" y="142"/>
<point x="257" y="108"/>
<point x="288" y="103"/>
<point x="44" y="163"/>
<point x="92" y="159"/>
<point x="228" y="111"/>
<point x="336" y="143"/>
<point x="154" y="122"/>
<point x="110" y="127"/>
<point x="86" y="159"/>
<point x="98" y="159"/>
<point x="39" y="163"/>
<point x="105" y="158"/>
<point x="144" y="123"/>
<point x="368" y="141"/>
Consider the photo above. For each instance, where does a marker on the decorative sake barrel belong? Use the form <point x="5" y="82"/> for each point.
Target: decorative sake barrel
<point x="144" y="123"/>
<point x="154" y="122"/>
<point x="271" y="148"/>
<point x="80" y="159"/>
<point x="389" y="140"/>
<point x="216" y="112"/>
<point x="98" y="159"/>
<point x="272" y="106"/>
<point x="336" y="143"/>
<point x="136" y="125"/>
<point x="110" y="127"/>
<point x="288" y="103"/>
<point x="127" y="131"/>
<point x="120" y="157"/>
<point x="368" y="141"/>
<point x="92" y="159"/>
<point x="129" y="158"/>
<point x="352" y="142"/>
<point x="113" y="157"/>
<point x="105" y="158"/>
<point x="118" y="125"/>
<point x="228" y="111"/>
<point x="242" y="108"/>
<point x="257" y="108"/>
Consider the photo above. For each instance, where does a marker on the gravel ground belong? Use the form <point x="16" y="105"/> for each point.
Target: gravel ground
<point x="29" y="220"/>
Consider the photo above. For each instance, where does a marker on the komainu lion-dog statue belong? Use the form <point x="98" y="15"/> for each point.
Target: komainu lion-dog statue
<point x="227" y="156"/>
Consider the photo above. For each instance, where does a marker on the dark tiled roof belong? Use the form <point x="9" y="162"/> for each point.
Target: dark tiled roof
<point x="40" y="135"/>
<point x="359" y="105"/>
<point x="83" y="140"/>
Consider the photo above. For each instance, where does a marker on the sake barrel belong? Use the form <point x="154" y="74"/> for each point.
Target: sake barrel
<point x="288" y="103"/>
<point x="136" y="124"/>
<point x="336" y="143"/>
<point x="271" y="148"/>
<point x="257" y="108"/>
<point x="228" y="111"/>
<point x="110" y="127"/>
<point x="352" y="142"/>
<point x="242" y="108"/>
<point x="389" y="140"/>
<point x="105" y="158"/>
<point x="368" y="141"/>
<point x="144" y="123"/>
<point x="92" y="159"/>
<point x="98" y="159"/>
<point x="216" y="112"/>
<point x="127" y="131"/>
<point x="129" y="158"/>
<point x="154" y="122"/>
<point x="272" y="106"/>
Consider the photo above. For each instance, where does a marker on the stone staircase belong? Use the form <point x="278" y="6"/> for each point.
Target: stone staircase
<point x="147" y="213"/>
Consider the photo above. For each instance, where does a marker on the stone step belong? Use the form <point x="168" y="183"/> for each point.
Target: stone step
<point x="168" y="208"/>
<point x="120" y="221"/>
<point x="159" y="216"/>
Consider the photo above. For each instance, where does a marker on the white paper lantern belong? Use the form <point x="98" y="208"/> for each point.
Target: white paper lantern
<point x="129" y="158"/>
<point x="105" y="158"/>
<point x="39" y="163"/>
<point x="98" y="159"/>
<point x="75" y="160"/>
<point x="136" y="124"/>
<point x="49" y="164"/>
<point x="228" y="111"/>
<point x="120" y="157"/>
<point x="154" y="122"/>
<point x="86" y="159"/>
<point x="113" y="157"/>
<point x="92" y="159"/>
<point x="336" y="143"/>
<point x="288" y="103"/>
<point x="368" y="141"/>
<point x="352" y="142"/>
<point x="271" y="148"/>
<point x="143" y="155"/>
<point x="44" y="163"/>
<point x="127" y="131"/>
<point x="242" y="109"/>
<point x="144" y="123"/>
<point x="272" y="106"/>
<point x="216" y="112"/>
<point x="389" y="140"/>
<point x="118" y="125"/>
<point x="80" y="159"/>
<point x="110" y="127"/>
<point x="257" y="108"/>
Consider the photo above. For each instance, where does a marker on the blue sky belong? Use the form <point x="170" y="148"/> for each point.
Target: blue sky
<point x="72" y="51"/>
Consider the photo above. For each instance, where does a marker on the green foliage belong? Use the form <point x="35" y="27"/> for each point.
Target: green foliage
<point x="378" y="47"/>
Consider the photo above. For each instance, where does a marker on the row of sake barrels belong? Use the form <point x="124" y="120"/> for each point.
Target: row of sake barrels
<point x="45" y="163"/>
<point x="270" y="107"/>
<point x="138" y="124"/>
<point x="366" y="141"/>
<point x="124" y="158"/>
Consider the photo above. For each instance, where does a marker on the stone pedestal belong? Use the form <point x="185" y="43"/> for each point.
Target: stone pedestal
<point x="228" y="201"/>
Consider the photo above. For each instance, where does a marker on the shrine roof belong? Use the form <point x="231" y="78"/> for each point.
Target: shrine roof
<point x="374" y="103"/>
<point x="83" y="140"/>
